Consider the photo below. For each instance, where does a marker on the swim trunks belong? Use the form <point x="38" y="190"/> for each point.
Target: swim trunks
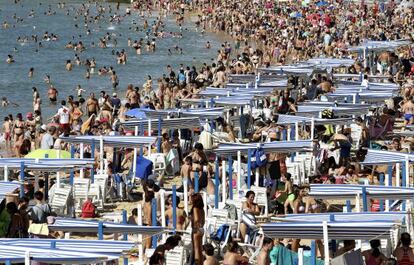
<point x="408" y="117"/>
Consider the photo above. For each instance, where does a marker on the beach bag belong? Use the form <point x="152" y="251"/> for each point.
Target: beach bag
<point x="259" y="158"/>
<point x="231" y="210"/>
<point x="88" y="209"/>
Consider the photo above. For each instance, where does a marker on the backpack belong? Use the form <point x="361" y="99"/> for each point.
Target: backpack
<point x="221" y="233"/>
<point x="88" y="209"/>
<point x="46" y="212"/>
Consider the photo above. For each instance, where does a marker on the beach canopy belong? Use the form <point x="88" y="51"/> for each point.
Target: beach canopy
<point x="281" y="146"/>
<point x="380" y="45"/>
<point x="110" y="247"/>
<point x="314" y="110"/>
<point x="114" y="141"/>
<point x="377" y="157"/>
<point x="193" y="112"/>
<point x="344" y="217"/>
<point x="7" y="188"/>
<point x="14" y="254"/>
<point x="292" y="119"/>
<point x="90" y="226"/>
<point x="173" y="123"/>
<point x="329" y="62"/>
<point x="46" y="164"/>
<point x="348" y="191"/>
<point x="336" y="230"/>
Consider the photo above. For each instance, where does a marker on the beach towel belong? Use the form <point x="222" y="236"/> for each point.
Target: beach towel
<point x="280" y="255"/>
<point x="144" y="168"/>
<point x="173" y="161"/>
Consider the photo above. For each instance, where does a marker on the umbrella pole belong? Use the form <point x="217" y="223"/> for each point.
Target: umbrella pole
<point x="82" y="171"/>
<point x="325" y="242"/>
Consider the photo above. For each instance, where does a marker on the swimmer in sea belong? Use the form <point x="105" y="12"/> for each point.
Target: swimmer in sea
<point x="47" y="79"/>
<point x="68" y="65"/>
<point x="5" y="103"/>
<point x="10" y="59"/>
<point x="52" y="94"/>
<point x="31" y="71"/>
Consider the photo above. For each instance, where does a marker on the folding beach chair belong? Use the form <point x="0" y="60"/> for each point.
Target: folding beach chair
<point x="80" y="192"/>
<point x="175" y="256"/>
<point x="59" y="199"/>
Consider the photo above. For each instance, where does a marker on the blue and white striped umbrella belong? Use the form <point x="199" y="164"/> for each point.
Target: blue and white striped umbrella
<point x="336" y="230"/>
<point x="86" y="226"/>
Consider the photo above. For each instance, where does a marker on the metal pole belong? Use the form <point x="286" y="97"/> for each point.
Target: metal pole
<point x="125" y="221"/>
<point x="154" y="220"/>
<point x="230" y="160"/>
<point x="325" y="242"/>
<point x="249" y="168"/>
<point x="223" y="181"/>
<point x="216" y="189"/>
<point x="100" y="231"/>
<point x="364" y="199"/>
<point x="174" y="207"/>
<point x="21" y="179"/>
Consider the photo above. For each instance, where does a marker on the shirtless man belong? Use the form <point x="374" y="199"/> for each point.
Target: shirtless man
<point x="208" y="251"/>
<point x="383" y="62"/>
<point x="325" y="85"/>
<point x="233" y="257"/>
<point x="181" y="214"/>
<point x="263" y="257"/>
<point x="52" y="94"/>
<point x="92" y="105"/>
<point x="68" y="65"/>
<point x="114" y="80"/>
<point x="408" y="110"/>
<point x="132" y="97"/>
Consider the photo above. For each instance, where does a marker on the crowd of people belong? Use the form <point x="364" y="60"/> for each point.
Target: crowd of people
<point x="262" y="34"/>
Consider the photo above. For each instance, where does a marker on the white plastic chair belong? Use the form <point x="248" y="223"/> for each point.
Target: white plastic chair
<point x="175" y="256"/>
<point x="80" y="192"/>
<point x="158" y="163"/>
<point x="60" y="198"/>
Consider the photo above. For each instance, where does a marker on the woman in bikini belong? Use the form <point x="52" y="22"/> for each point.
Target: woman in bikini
<point x="19" y="127"/>
<point x="404" y="253"/>
<point x="197" y="217"/>
<point x="250" y="209"/>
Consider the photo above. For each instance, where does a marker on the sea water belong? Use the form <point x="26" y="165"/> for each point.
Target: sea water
<point x="51" y="58"/>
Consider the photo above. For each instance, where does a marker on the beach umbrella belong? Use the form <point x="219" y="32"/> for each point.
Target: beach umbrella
<point x="321" y="3"/>
<point x="137" y="113"/>
<point x="52" y="153"/>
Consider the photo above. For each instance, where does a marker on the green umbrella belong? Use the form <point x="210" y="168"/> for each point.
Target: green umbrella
<point x="51" y="153"/>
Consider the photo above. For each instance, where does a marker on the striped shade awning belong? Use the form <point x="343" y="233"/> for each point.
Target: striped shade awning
<point x="109" y="247"/>
<point x="279" y="146"/>
<point x="336" y="230"/>
<point x="347" y="191"/>
<point x="174" y="123"/>
<point x="396" y="217"/>
<point x="86" y="226"/>
<point x="377" y="157"/>
<point x="7" y="187"/>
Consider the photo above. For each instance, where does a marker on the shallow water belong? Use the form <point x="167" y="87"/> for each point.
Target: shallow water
<point x="14" y="81"/>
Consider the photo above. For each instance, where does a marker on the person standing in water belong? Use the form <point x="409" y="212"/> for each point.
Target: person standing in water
<point x="52" y="94"/>
<point x="114" y="80"/>
<point x="31" y="72"/>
